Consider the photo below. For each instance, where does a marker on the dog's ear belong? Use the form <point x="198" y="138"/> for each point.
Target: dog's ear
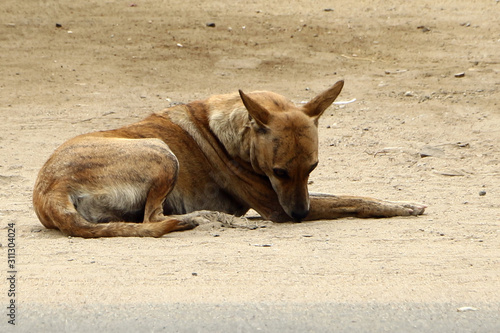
<point x="320" y="103"/>
<point x="256" y="111"/>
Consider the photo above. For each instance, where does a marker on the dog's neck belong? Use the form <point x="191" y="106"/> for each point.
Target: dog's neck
<point x="233" y="131"/>
<point x="227" y="119"/>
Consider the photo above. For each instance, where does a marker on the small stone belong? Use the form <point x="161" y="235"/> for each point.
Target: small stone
<point x="328" y="10"/>
<point x="430" y="151"/>
<point x="466" y="308"/>
<point x="210" y="25"/>
<point x="462" y="74"/>
<point x="194" y="274"/>
<point x="482" y="193"/>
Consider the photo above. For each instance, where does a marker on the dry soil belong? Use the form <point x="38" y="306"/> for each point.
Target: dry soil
<point x="424" y="127"/>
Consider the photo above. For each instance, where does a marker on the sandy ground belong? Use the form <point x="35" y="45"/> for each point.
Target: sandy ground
<point x="111" y="63"/>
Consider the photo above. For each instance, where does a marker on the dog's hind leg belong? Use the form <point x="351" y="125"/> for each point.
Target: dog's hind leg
<point x="102" y="187"/>
<point x="59" y="209"/>
<point x="153" y="212"/>
<point x="326" y="206"/>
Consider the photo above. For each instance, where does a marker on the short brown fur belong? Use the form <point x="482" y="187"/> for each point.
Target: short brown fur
<point x="228" y="153"/>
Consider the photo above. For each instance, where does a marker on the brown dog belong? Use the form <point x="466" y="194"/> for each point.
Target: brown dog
<point x="228" y="153"/>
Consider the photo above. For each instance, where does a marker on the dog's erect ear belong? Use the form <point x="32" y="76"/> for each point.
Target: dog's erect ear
<point x="256" y="111"/>
<point x="320" y="103"/>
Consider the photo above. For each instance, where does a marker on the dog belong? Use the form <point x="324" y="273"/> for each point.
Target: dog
<point x="228" y="153"/>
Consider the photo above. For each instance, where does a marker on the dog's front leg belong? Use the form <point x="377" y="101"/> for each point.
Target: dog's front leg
<point x="326" y="206"/>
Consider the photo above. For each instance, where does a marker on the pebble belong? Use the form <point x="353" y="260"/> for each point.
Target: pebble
<point x="211" y="25"/>
<point x="430" y="151"/>
<point x="462" y="74"/>
<point x="466" y="308"/>
<point x="482" y="193"/>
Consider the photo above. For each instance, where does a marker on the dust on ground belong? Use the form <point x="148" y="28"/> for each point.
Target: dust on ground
<point x="424" y="127"/>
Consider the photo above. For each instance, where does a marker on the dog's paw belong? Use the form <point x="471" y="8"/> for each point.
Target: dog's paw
<point x="187" y="222"/>
<point x="192" y="220"/>
<point x="212" y="219"/>
<point x="405" y="208"/>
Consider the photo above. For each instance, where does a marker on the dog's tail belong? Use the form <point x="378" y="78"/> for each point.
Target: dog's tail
<point x="56" y="211"/>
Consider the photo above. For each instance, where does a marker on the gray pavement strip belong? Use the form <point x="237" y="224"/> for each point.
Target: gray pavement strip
<point x="258" y="317"/>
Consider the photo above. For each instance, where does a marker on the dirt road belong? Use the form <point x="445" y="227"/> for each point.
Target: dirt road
<point x="425" y="127"/>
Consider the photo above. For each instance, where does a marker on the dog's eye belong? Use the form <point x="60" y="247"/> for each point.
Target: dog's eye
<point x="281" y="173"/>
<point x="313" y="167"/>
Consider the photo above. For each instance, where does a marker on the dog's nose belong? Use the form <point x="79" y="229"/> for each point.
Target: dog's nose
<point x="298" y="216"/>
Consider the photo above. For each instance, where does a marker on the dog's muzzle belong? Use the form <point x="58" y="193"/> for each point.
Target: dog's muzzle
<point x="298" y="216"/>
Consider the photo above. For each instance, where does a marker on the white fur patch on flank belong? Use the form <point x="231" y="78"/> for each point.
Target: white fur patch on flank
<point x="125" y="196"/>
<point x="100" y="205"/>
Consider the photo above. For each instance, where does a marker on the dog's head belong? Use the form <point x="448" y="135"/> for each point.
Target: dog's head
<point x="284" y="143"/>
